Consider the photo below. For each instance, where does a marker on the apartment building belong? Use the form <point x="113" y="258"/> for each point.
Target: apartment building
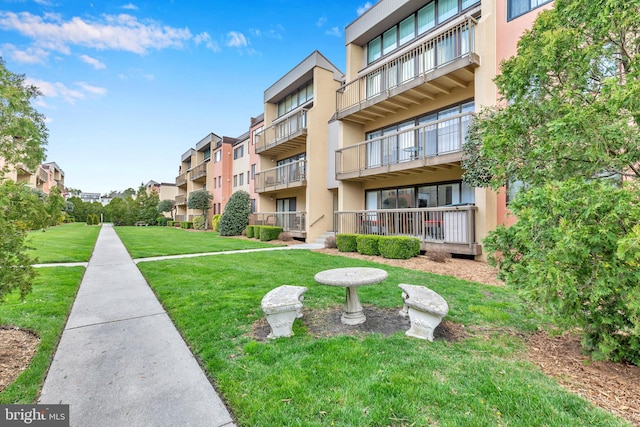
<point x="44" y="177"/>
<point x="256" y="127"/>
<point x="241" y="180"/>
<point x="293" y="151"/>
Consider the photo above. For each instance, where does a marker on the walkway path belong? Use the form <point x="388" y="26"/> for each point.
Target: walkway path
<point x="121" y="361"/>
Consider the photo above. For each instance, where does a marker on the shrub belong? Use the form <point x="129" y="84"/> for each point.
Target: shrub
<point x="399" y="247"/>
<point x="367" y="244"/>
<point x="236" y="214"/>
<point x="198" y="222"/>
<point x="347" y="242"/>
<point x="215" y="222"/>
<point x="249" y="231"/>
<point x="162" y="221"/>
<point x="269" y="232"/>
<point x="186" y="224"/>
<point x="330" y="242"/>
<point x="170" y="223"/>
<point x="256" y="231"/>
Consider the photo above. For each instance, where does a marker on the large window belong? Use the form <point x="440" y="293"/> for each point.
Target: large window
<point x="516" y="8"/>
<point x="421" y="196"/>
<point x="238" y="152"/>
<point x="295" y="99"/>
<point x="425" y="19"/>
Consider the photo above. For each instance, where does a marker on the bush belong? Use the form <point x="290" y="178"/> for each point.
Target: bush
<point x="347" y="242"/>
<point x="198" y="222"/>
<point x="215" y="222"/>
<point x="170" y="223"/>
<point x="162" y="221"/>
<point x="93" y="219"/>
<point x="256" y="231"/>
<point x="399" y="247"/>
<point x="330" y="242"/>
<point x="186" y="224"/>
<point x="249" y="231"/>
<point x="236" y="214"/>
<point x="367" y="244"/>
<point x="269" y="232"/>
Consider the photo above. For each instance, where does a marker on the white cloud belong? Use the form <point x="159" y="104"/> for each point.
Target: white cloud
<point x="113" y="32"/>
<point x="95" y="63"/>
<point x="60" y="90"/>
<point x="129" y="6"/>
<point x="362" y="9"/>
<point x="334" y="31"/>
<point x="321" y="21"/>
<point x="31" y="55"/>
<point x="236" y="39"/>
<point x="206" y="39"/>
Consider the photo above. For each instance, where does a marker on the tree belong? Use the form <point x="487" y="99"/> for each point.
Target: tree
<point x="235" y="217"/>
<point x="571" y="121"/>
<point x="23" y="133"/>
<point x="200" y="199"/>
<point x="147" y="206"/>
<point x="55" y="205"/>
<point x="166" y="206"/>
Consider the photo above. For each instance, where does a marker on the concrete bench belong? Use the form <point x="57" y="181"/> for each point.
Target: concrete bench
<point x="425" y="309"/>
<point x="282" y="306"/>
<point x="141" y="224"/>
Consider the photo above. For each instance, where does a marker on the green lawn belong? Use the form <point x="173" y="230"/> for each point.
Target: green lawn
<point x="371" y="380"/>
<point x="143" y="242"/>
<point x="44" y="311"/>
<point x="64" y="243"/>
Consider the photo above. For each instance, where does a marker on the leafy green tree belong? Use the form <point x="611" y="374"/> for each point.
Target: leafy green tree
<point x="116" y="211"/>
<point x="166" y="206"/>
<point x="200" y="199"/>
<point x="55" y="205"/>
<point x="147" y="206"/>
<point x="235" y="217"/>
<point x="23" y="133"/>
<point x="571" y="121"/>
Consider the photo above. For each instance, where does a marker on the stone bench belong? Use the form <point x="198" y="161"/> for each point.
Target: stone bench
<point x="425" y="309"/>
<point x="141" y="224"/>
<point x="282" y="306"/>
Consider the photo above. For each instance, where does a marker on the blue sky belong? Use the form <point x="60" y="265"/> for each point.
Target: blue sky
<point x="130" y="86"/>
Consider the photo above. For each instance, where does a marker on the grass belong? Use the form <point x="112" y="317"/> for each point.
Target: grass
<point x="44" y="312"/>
<point x="143" y="242"/>
<point x="371" y="380"/>
<point x="63" y="243"/>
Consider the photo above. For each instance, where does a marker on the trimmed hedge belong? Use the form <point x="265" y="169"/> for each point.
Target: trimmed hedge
<point x="399" y="247"/>
<point x="186" y="224"/>
<point x="162" y="221"/>
<point x="367" y="244"/>
<point x="170" y="223"/>
<point x="347" y="242"/>
<point x="198" y="222"/>
<point x="256" y="231"/>
<point x="269" y="232"/>
<point x="249" y="231"/>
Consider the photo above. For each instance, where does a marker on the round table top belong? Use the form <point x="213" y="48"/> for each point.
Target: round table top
<point x="351" y="276"/>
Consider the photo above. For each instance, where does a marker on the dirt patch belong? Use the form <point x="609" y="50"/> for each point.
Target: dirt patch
<point x="17" y="348"/>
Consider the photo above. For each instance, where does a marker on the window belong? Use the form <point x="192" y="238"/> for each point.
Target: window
<point x="422" y="196"/>
<point x="248" y="175"/>
<point x="389" y="40"/>
<point x="235" y="180"/>
<point x="241" y="179"/>
<point x="253" y="171"/>
<point x="513" y="187"/>
<point x="217" y="156"/>
<point x="516" y="8"/>
<point x="238" y="152"/>
<point x="407" y="30"/>
<point x="253" y="205"/>
<point x="375" y="49"/>
<point x="207" y="153"/>
<point x="427" y="17"/>
<point x="295" y="99"/>
<point x="447" y="9"/>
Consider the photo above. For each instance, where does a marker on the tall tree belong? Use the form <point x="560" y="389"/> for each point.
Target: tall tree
<point x="235" y="217"/>
<point x="200" y="199"/>
<point x="568" y="120"/>
<point x="23" y="133"/>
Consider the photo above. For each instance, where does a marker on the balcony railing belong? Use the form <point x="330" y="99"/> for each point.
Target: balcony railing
<point x="182" y="179"/>
<point x="455" y="224"/>
<point x="181" y="199"/>
<point x="198" y="171"/>
<point x="181" y="218"/>
<point x="289" y="221"/>
<point x="43" y="176"/>
<point x="282" y="131"/>
<point x="289" y="175"/>
<point x="425" y="141"/>
<point x="435" y="52"/>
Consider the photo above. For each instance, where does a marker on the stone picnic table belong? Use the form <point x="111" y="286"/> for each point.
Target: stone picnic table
<point x="351" y="278"/>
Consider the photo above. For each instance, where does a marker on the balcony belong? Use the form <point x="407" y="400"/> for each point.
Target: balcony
<point x="426" y="147"/>
<point x="291" y="222"/>
<point x="289" y="175"/>
<point x="199" y="173"/>
<point x="436" y="66"/>
<point x="42" y="175"/>
<point x="450" y="229"/>
<point x="181" y="199"/>
<point x="181" y="180"/>
<point x="284" y="135"/>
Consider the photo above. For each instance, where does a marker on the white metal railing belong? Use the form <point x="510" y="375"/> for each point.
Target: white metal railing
<point x="289" y="221"/>
<point x="453" y="224"/>
<point x="283" y="176"/>
<point x="427" y="140"/>
<point x="281" y="131"/>
<point x="436" y="51"/>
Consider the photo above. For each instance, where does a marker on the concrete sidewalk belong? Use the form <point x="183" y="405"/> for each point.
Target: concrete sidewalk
<point x="121" y="361"/>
